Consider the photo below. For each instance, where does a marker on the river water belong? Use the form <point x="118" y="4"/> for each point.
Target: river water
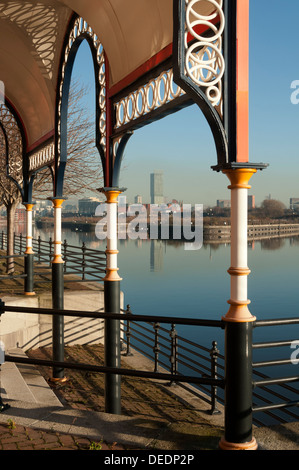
<point x="162" y="278"/>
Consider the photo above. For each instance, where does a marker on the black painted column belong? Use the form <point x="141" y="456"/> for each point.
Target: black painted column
<point x="238" y="324"/>
<point x="112" y="305"/>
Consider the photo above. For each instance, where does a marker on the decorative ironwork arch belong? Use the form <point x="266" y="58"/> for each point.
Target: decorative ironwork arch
<point x="17" y="163"/>
<point x="79" y="31"/>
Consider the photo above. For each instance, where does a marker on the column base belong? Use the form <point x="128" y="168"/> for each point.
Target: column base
<point x="58" y="380"/>
<point x="224" y="445"/>
<point x="239" y="312"/>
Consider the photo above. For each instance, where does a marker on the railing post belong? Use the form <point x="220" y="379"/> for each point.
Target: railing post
<point x="214" y="355"/>
<point x="50" y="251"/>
<point x="39" y="247"/>
<point x="174" y="350"/>
<point x="128" y="333"/>
<point x="83" y="261"/>
<point x="156" y="346"/>
<point x="65" y="254"/>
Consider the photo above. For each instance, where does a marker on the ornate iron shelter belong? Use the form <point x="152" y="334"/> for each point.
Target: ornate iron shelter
<point x="151" y="58"/>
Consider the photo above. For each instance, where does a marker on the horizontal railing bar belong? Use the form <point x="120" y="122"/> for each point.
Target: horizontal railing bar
<point x="113" y="316"/>
<point x="275" y="406"/>
<point x="284" y="386"/>
<point x="276" y="322"/>
<point x="277" y="362"/>
<point x="13" y="276"/>
<point x="116" y="371"/>
<point x="273" y="344"/>
<point x="12" y="256"/>
<point x="281" y="380"/>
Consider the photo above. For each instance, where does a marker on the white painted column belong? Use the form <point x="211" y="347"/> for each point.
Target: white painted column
<point x="112" y="251"/>
<point x="239" y="249"/>
<point x="29" y="254"/>
<point x="57" y="205"/>
<point x="29" y="208"/>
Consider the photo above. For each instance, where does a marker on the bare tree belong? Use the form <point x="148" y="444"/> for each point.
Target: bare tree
<point x="272" y="208"/>
<point x="83" y="172"/>
<point x="10" y="195"/>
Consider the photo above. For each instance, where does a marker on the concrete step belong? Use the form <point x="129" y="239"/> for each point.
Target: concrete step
<point x="23" y="382"/>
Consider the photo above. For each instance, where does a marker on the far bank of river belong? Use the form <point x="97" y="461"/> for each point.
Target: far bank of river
<point x="212" y="233"/>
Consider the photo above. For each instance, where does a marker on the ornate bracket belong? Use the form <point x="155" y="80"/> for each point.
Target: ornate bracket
<point x="205" y="67"/>
<point x="199" y="64"/>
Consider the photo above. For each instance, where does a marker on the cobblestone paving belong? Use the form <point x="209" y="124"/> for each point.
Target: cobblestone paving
<point x="85" y="391"/>
<point x="15" y="437"/>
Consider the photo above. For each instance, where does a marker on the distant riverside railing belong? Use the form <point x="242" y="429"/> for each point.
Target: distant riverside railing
<point x="218" y="232"/>
<point x="86" y="264"/>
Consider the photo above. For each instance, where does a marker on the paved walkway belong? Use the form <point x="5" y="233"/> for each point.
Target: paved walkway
<point x="154" y="416"/>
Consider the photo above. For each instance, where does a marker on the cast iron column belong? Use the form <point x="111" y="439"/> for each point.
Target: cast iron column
<point x="57" y="293"/>
<point x="29" y="254"/>
<point x="112" y="305"/>
<point x="238" y="325"/>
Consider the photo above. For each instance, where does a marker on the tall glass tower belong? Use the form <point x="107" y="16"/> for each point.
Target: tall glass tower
<point x="157" y="196"/>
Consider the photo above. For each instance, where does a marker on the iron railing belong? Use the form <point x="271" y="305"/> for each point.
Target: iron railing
<point x="181" y="361"/>
<point x="85" y="264"/>
<point x="172" y="352"/>
<point x="172" y="376"/>
<point x="276" y="396"/>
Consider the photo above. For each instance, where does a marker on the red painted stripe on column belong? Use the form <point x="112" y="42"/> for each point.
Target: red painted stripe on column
<point x="242" y="80"/>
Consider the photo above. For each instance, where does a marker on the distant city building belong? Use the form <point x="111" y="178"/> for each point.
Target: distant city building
<point x="226" y="203"/>
<point x="156" y="180"/>
<point x="138" y="199"/>
<point x="294" y="203"/>
<point x="223" y="203"/>
<point x="70" y="208"/>
<point x="20" y="216"/>
<point x="88" y="205"/>
<point x="251" y="202"/>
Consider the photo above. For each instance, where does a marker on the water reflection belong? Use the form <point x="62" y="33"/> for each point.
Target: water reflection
<point x="161" y="277"/>
<point x="157" y="255"/>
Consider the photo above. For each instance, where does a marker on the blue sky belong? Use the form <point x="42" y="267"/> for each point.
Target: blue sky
<point x="182" y="145"/>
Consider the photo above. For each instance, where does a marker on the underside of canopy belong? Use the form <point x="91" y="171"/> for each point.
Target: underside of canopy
<point x="135" y="34"/>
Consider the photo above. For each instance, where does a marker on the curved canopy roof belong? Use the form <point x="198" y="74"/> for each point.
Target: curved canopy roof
<point x="133" y="33"/>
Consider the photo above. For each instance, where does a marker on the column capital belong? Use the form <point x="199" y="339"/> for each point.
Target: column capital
<point x="29" y="205"/>
<point x="57" y="201"/>
<point x="111" y="193"/>
<point x="239" y="177"/>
